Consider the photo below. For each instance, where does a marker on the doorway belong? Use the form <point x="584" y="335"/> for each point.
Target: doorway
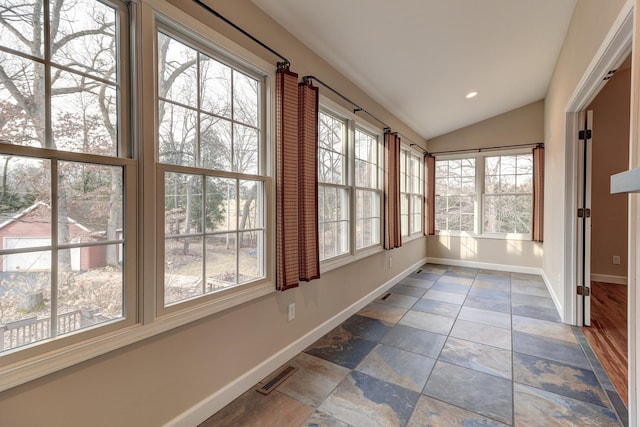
<point x="606" y="266"/>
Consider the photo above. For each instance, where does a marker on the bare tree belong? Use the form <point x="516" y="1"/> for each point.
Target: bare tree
<point x="82" y="38"/>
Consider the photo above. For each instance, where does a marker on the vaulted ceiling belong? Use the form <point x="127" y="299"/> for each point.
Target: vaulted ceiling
<point x="420" y="58"/>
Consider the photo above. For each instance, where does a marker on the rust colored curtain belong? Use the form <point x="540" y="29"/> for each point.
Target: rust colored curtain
<point x="538" y="194"/>
<point x="309" y="253"/>
<point x="429" y="195"/>
<point x="392" y="234"/>
<point x="286" y="179"/>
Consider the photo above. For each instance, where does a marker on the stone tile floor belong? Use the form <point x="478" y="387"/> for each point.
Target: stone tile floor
<point x="446" y="346"/>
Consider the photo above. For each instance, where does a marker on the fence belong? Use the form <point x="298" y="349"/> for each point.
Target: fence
<point x="25" y="331"/>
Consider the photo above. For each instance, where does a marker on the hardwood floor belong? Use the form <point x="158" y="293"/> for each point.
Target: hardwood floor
<point x="608" y="332"/>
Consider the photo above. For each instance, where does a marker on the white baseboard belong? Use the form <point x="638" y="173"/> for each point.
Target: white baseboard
<point x="485" y="265"/>
<point x="554" y="297"/>
<point x="218" y="400"/>
<point x="605" y="278"/>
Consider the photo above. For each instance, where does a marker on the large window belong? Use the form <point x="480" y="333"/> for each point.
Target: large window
<point x="135" y="190"/>
<point x="484" y="194"/>
<point x="455" y="194"/>
<point x="508" y="194"/>
<point x="411" y="192"/>
<point x="333" y="192"/>
<point x="65" y="163"/>
<point x="349" y="185"/>
<point x="210" y="151"/>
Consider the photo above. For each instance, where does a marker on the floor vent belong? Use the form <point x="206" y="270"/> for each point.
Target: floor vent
<point x="270" y="383"/>
<point x="385" y="297"/>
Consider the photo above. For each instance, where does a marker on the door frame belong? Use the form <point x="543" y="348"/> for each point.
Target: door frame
<point x="615" y="48"/>
<point x="583" y="233"/>
<point x="613" y="51"/>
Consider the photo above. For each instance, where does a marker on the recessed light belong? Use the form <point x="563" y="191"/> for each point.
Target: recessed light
<point x="471" y="95"/>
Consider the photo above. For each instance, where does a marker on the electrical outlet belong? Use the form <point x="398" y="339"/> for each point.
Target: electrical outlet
<point x="390" y="262"/>
<point x="616" y="259"/>
<point x="292" y="311"/>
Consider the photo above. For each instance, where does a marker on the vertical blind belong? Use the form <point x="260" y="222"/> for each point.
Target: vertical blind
<point x="297" y="252"/>
<point x="537" y="222"/>
<point x="429" y="195"/>
<point x="309" y="253"/>
<point x="392" y="233"/>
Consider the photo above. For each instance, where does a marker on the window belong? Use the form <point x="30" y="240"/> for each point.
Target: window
<point x="83" y="270"/>
<point x="455" y="195"/>
<point x="210" y="153"/>
<point x="66" y="196"/>
<point x="508" y="194"/>
<point x="333" y="192"/>
<point x="411" y="192"/>
<point x="368" y="189"/>
<point x="504" y="185"/>
<point x="349" y="184"/>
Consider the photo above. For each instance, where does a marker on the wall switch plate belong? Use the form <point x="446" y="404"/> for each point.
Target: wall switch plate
<point x="616" y="259"/>
<point x="292" y="311"/>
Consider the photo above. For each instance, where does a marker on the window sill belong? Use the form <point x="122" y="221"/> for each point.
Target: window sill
<point x="489" y="236"/>
<point x="38" y="366"/>
<point x="412" y="237"/>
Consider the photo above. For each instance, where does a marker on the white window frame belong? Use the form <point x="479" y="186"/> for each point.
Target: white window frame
<point x="406" y="196"/>
<point x="143" y="318"/>
<point x="479" y="196"/>
<point x="184" y="36"/>
<point x="364" y="128"/>
<point x="122" y="159"/>
<point x="501" y="235"/>
<point x="352" y="122"/>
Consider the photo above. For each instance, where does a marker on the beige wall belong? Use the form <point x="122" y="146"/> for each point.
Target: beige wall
<point x="521" y="126"/>
<point x="153" y="381"/>
<point x="610" y="155"/>
<point x="590" y="23"/>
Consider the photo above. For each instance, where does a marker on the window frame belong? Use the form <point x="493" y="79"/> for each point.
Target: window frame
<point x="479" y="194"/>
<point x="145" y="320"/>
<point x="407" y="152"/>
<point x="353" y="122"/>
<point x="124" y="159"/>
<point x="185" y="36"/>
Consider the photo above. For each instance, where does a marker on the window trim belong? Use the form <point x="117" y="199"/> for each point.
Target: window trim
<point x="145" y="321"/>
<point x="183" y="35"/>
<point x="479" y="232"/>
<point x="417" y="234"/>
<point x="353" y="122"/>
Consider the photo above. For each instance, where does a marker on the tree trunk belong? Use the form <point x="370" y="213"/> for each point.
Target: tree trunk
<point x="246" y="209"/>
<point x="187" y="216"/>
<point x="115" y="212"/>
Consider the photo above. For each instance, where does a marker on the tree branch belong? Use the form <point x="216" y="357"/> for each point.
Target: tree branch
<point x="13" y="89"/>
<point x="14" y="31"/>
<point x="69" y="37"/>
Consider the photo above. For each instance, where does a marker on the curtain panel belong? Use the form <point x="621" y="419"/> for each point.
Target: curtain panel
<point x="392" y="233"/>
<point x="287" y="158"/>
<point x="429" y="195"/>
<point x="309" y="253"/>
<point x="537" y="221"/>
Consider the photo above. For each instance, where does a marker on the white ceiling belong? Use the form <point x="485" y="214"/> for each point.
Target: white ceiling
<point x="419" y="58"/>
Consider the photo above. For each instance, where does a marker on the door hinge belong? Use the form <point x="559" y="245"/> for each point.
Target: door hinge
<point x="584" y="213"/>
<point x="583" y="290"/>
<point x="584" y="134"/>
